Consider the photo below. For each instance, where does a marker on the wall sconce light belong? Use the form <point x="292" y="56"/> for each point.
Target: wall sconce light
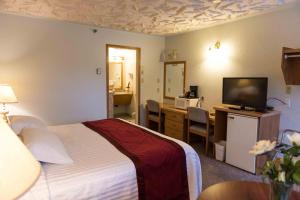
<point x="216" y="56"/>
<point x="217" y="45"/>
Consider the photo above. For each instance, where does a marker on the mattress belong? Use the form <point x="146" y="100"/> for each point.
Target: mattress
<point x="99" y="171"/>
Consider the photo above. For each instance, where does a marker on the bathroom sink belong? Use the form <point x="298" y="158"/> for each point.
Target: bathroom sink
<point x="122" y="98"/>
<point x="122" y="92"/>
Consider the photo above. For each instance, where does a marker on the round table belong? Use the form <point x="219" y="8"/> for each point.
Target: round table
<point x="240" y="190"/>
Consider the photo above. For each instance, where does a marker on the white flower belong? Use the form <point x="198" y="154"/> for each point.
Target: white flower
<point x="262" y="146"/>
<point x="281" y="176"/>
<point x="295" y="159"/>
<point x="295" y="138"/>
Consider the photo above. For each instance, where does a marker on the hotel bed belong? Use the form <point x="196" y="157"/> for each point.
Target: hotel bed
<point x="100" y="170"/>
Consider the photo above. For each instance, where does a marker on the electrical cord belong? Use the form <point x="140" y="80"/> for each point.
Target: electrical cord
<point x="274" y="98"/>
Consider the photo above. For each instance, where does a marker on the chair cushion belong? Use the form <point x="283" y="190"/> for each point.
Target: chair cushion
<point x="198" y="128"/>
<point x="153" y="117"/>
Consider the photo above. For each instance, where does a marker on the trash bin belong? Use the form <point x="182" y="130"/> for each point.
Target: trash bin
<point x="220" y="150"/>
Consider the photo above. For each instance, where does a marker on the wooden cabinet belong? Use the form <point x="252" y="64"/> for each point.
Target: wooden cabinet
<point x="291" y="66"/>
<point x="111" y="104"/>
<point x="174" y="124"/>
<point x="122" y="98"/>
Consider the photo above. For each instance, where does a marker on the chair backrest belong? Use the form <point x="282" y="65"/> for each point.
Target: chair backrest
<point x="198" y="115"/>
<point x="153" y="106"/>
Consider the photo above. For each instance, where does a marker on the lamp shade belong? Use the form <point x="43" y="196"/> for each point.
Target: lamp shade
<point x="18" y="168"/>
<point x="7" y="94"/>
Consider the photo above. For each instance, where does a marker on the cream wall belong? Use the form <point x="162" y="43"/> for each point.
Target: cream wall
<point x="250" y="47"/>
<point x="52" y="67"/>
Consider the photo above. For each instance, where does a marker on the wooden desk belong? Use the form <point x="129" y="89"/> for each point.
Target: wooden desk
<point x="176" y="121"/>
<point x="266" y="127"/>
<point x="170" y="107"/>
<point x="240" y="190"/>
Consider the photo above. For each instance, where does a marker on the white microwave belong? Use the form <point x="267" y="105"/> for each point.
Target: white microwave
<point x="184" y="103"/>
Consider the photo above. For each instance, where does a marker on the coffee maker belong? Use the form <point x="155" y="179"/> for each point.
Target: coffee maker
<point x="193" y="91"/>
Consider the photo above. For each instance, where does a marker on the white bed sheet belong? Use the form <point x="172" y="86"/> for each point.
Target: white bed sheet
<point x="99" y="171"/>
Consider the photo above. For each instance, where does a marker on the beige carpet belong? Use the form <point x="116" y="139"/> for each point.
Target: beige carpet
<point x="214" y="171"/>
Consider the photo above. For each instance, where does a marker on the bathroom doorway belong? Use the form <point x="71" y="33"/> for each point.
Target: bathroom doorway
<point x="123" y="82"/>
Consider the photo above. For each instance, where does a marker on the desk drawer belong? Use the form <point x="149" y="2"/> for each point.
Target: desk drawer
<point x="174" y="124"/>
<point x="174" y="133"/>
<point x="174" y="116"/>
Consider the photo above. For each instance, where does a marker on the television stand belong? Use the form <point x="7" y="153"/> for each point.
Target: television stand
<point x="235" y="108"/>
<point x="241" y="107"/>
<point x="247" y="127"/>
<point x="245" y="108"/>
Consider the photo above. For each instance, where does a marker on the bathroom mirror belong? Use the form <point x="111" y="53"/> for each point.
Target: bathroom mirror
<point x="116" y="75"/>
<point x="174" y="81"/>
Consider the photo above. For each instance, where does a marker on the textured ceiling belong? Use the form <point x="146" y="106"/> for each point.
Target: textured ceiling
<point x="159" y="17"/>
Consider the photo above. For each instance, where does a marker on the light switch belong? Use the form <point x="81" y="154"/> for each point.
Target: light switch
<point x="98" y="71"/>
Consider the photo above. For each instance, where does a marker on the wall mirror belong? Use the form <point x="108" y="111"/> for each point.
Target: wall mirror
<point x="174" y="81"/>
<point x="116" y="75"/>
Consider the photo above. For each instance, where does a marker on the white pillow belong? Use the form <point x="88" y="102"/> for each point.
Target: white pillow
<point x="18" y="122"/>
<point x="45" y="146"/>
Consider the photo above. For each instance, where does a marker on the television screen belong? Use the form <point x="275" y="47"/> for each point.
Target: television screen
<point x="250" y="92"/>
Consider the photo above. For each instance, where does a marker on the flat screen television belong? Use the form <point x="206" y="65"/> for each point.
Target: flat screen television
<point x="246" y="92"/>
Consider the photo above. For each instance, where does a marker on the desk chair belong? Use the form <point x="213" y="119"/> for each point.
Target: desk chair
<point x="198" y="124"/>
<point x="153" y="113"/>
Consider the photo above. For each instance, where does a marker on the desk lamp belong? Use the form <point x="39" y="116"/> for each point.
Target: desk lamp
<point x="18" y="168"/>
<point x="7" y="95"/>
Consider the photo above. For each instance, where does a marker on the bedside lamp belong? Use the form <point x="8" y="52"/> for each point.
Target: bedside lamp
<point x="18" y="168"/>
<point x="7" y="95"/>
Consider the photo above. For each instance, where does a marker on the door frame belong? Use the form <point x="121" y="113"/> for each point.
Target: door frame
<point x="137" y="72"/>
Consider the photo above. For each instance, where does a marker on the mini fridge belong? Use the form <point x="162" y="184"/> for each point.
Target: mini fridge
<point x="241" y="137"/>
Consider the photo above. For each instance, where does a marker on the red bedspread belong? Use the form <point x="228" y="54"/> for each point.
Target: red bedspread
<point x="160" y="163"/>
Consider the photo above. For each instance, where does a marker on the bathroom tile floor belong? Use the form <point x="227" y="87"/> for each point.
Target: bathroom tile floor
<point x="126" y="117"/>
